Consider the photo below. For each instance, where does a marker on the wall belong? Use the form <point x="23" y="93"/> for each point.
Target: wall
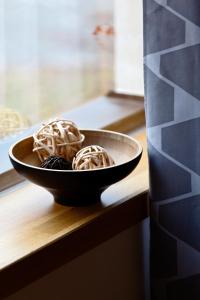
<point x="113" y="270"/>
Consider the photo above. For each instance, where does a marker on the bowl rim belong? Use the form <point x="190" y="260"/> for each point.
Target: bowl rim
<point x="138" y="153"/>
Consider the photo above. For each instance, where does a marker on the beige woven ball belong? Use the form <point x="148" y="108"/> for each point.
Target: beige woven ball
<point x="92" y="157"/>
<point x="11" y="122"/>
<point x="58" y="137"/>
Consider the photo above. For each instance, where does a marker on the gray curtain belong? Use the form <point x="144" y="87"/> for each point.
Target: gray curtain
<point x="172" y="94"/>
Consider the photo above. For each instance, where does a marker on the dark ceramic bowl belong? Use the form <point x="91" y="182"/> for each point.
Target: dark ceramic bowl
<point x="85" y="186"/>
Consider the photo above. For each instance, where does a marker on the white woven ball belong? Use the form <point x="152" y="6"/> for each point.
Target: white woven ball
<point x="92" y="157"/>
<point x="58" y="137"/>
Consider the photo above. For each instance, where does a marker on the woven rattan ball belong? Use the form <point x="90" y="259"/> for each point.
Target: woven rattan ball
<point x="11" y="122"/>
<point x="58" y="137"/>
<point x="92" y="157"/>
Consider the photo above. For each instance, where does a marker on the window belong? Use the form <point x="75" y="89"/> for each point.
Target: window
<point x="58" y="54"/>
<point x="128" y="46"/>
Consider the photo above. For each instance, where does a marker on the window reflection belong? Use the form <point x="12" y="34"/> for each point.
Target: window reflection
<point x="11" y="123"/>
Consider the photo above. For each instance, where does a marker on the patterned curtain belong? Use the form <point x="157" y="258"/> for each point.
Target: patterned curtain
<point x="172" y="87"/>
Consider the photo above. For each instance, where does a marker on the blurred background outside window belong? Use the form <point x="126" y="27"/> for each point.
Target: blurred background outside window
<point x="58" y="54"/>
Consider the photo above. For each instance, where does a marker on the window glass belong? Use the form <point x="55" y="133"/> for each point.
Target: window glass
<point x="128" y="46"/>
<point x="50" y="57"/>
<point x="58" y="54"/>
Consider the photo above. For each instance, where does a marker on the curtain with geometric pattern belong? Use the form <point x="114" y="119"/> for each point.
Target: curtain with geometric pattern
<point x="172" y="102"/>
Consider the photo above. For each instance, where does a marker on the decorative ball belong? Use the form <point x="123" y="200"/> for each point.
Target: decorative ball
<point x="92" y="157"/>
<point x="56" y="163"/>
<point x="11" y="122"/>
<point x="58" y="137"/>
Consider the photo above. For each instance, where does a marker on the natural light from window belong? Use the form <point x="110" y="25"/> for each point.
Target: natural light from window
<point x="58" y="54"/>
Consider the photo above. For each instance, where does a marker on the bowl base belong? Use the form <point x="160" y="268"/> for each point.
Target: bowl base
<point x="83" y="198"/>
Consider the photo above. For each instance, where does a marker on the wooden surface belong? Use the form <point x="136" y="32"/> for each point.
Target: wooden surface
<point x="119" y="113"/>
<point x="9" y="178"/>
<point x="38" y="235"/>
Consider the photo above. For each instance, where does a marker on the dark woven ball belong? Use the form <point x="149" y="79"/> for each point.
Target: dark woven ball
<point x="56" y="163"/>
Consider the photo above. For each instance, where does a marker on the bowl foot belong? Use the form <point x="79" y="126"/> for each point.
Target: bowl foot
<point x="76" y="199"/>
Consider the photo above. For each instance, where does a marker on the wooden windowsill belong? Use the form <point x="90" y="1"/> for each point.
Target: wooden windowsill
<point x="38" y="235"/>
